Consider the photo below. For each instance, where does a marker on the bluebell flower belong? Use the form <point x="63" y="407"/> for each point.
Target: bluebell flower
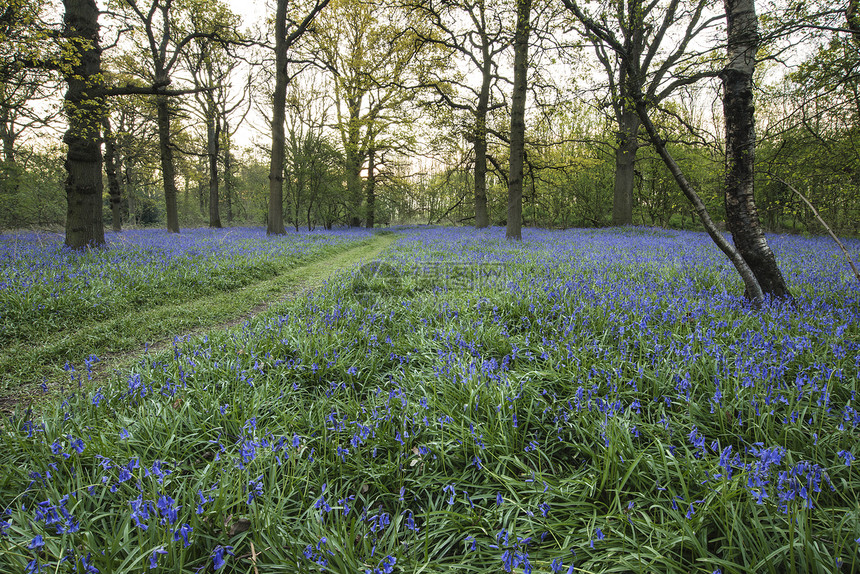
<point x="345" y="502"/>
<point x="57" y="448"/>
<point x="321" y="503"/>
<point x="87" y="565"/>
<point x="140" y="511"/>
<point x="37" y="542"/>
<point x="450" y="489"/>
<point x="690" y="512"/>
<point x="255" y="489"/>
<point x="598" y="535"/>
<point x="153" y="558"/>
<point x="386" y="566"/>
<point x="167" y="507"/>
<point x="158" y="469"/>
<point x="203" y="500"/>
<point x="342" y="453"/>
<point x="183" y="533"/>
<point x="379" y="521"/>
<point x="218" y="560"/>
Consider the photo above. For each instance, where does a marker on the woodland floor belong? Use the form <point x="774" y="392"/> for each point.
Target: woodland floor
<point x="151" y="330"/>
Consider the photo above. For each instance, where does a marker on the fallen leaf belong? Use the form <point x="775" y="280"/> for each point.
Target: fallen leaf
<point x="239" y="526"/>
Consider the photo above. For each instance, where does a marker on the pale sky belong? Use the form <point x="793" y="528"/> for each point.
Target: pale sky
<point x="251" y="11"/>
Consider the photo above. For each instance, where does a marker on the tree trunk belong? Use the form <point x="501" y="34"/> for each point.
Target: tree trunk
<point x="113" y="180"/>
<point x="213" y="135"/>
<point x="625" y="164"/>
<point x="370" y="221"/>
<point x="8" y="136"/>
<point x="129" y="191"/>
<point x="9" y="168"/>
<point x="275" y="222"/>
<point x="296" y="213"/>
<point x="741" y="214"/>
<point x="482" y="218"/>
<point x="83" y="163"/>
<point x="852" y="17"/>
<point x="202" y="206"/>
<point x="353" y="187"/>
<point x="518" y="124"/>
<point x="353" y="165"/>
<point x="228" y="174"/>
<point x="168" y="171"/>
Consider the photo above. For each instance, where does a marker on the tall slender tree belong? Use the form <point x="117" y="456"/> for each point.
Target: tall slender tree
<point x="163" y="42"/>
<point x="212" y="67"/>
<point x="741" y="57"/>
<point x="77" y="57"/>
<point x="283" y="43"/>
<point x="85" y="108"/>
<point x="741" y="213"/>
<point x="84" y="105"/>
<point x="474" y="30"/>
<point x="518" y="123"/>
<point x="374" y="57"/>
<point x="656" y="37"/>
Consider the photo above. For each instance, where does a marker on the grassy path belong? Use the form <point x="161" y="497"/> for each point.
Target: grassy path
<point x="121" y="340"/>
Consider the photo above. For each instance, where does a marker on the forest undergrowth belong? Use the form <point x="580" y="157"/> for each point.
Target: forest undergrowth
<point x="583" y="401"/>
<point x="95" y="309"/>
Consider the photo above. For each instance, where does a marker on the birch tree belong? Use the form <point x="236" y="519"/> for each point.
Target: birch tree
<point x="741" y="213"/>
<point x="742" y="41"/>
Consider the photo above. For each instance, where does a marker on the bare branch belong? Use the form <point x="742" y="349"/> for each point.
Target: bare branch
<point x="821" y="221"/>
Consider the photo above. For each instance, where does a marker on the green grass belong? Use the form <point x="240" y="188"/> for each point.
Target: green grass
<point x="602" y="400"/>
<point x="108" y="342"/>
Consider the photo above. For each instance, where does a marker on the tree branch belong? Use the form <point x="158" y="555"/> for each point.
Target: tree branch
<point x="821" y="221"/>
<point x="154" y="90"/>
